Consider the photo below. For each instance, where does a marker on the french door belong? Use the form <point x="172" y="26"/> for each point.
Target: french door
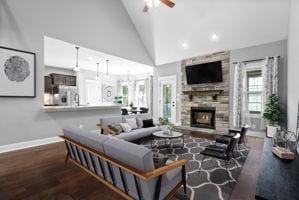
<point x="167" y="97"/>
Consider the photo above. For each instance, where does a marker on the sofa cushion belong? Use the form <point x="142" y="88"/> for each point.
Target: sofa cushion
<point x="136" y="156"/>
<point x="128" y="136"/>
<point x="126" y="127"/>
<point x="71" y="133"/>
<point x="148" y="123"/>
<point x="105" y="121"/>
<point x="143" y="132"/>
<point x="93" y="140"/>
<point x="139" y="122"/>
<point x="132" y="122"/>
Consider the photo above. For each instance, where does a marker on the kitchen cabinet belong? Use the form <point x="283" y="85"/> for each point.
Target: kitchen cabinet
<point x="58" y="79"/>
<point x="61" y="79"/>
<point x="70" y="80"/>
<point x="48" y="84"/>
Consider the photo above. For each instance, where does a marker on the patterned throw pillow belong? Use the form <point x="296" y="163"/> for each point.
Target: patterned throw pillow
<point x="116" y="128"/>
<point x="126" y="127"/>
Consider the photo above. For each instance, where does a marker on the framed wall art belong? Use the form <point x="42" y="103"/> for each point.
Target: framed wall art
<point x="17" y="73"/>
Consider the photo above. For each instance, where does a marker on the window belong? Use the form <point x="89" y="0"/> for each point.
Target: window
<point x="254" y="91"/>
<point x="126" y="94"/>
<point x="141" y="93"/>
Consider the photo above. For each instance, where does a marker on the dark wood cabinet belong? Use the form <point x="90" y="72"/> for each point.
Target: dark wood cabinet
<point x="58" y="79"/>
<point x="61" y="79"/>
<point x="70" y="80"/>
<point x="48" y="84"/>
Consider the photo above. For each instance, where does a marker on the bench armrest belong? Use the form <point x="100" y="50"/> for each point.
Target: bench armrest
<point x="162" y="170"/>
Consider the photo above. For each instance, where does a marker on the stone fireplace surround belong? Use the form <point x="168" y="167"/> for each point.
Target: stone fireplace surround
<point x="215" y="95"/>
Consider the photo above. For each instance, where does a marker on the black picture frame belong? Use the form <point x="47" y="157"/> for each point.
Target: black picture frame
<point x="34" y="75"/>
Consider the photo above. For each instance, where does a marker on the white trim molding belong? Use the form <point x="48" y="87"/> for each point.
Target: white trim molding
<point x="28" y="144"/>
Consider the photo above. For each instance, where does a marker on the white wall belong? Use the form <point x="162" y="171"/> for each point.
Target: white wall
<point x="293" y="65"/>
<point x="167" y="70"/>
<point x="85" y="75"/>
<point x="102" y="25"/>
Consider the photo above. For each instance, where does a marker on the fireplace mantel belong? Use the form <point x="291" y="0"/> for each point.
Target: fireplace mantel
<point x="213" y="93"/>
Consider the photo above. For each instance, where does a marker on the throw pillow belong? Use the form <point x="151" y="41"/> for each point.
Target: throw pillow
<point x="132" y="122"/>
<point x="116" y="128"/>
<point x="126" y="127"/>
<point x="139" y="122"/>
<point x="148" y="123"/>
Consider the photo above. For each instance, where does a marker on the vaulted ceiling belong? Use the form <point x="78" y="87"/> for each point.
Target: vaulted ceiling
<point x="195" y="27"/>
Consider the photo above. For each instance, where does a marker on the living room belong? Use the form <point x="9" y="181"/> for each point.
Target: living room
<point x="158" y="100"/>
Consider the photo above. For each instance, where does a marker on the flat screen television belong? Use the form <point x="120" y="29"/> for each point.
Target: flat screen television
<point x="204" y="73"/>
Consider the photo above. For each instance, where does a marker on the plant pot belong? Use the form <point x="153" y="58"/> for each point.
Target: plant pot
<point x="271" y="130"/>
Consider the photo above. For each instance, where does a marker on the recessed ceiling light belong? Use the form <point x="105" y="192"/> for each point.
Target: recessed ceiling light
<point x="185" y="45"/>
<point x="214" y="37"/>
<point x="89" y="58"/>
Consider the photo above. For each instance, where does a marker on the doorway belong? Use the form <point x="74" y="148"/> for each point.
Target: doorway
<point x="167" y="97"/>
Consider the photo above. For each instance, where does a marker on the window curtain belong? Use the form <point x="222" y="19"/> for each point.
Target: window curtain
<point x="270" y="78"/>
<point x="238" y="94"/>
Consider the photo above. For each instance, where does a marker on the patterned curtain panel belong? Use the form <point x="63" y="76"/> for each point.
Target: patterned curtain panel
<point x="238" y="94"/>
<point x="270" y="78"/>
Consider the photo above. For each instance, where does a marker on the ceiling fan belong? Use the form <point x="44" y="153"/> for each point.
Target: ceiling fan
<point x="151" y="3"/>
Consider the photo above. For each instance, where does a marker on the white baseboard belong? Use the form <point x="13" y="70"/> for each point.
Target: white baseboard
<point x="28" y="144"/>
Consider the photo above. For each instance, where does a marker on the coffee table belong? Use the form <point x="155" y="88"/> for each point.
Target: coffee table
<point x="168" y="136"/>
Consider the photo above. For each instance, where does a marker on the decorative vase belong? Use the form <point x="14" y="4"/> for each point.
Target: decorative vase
<point x="272" y="130"/>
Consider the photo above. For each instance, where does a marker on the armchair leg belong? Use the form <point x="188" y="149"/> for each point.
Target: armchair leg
<point x="201" y="164"/>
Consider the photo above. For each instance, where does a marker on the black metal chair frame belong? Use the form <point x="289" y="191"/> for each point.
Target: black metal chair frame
<point x="227" y="152"/>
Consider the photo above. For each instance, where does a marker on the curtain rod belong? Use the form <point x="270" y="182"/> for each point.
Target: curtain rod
<point x="255" y="60"/>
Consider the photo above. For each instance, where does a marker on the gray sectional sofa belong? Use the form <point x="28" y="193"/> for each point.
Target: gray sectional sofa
<point x="135" y="134"/>
<point x="124" y="166"/>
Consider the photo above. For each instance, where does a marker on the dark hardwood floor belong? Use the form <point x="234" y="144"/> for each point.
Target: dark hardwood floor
<point x="40" y="173"/>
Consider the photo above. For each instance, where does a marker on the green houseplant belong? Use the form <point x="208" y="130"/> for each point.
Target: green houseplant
<point x="273" y="114"/>
<point x="164" y="121"/>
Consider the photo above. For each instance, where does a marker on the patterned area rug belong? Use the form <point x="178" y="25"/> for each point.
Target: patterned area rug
<point x="212" y="182"/>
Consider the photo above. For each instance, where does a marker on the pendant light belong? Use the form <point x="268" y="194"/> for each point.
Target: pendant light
<point x="76" y="68"/>
<point x="98" y="73"/>
<point x="107" y="72"/>
<point x="128" y="81"/>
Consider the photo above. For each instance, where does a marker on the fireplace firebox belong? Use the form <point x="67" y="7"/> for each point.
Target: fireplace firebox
<point x="203" y="117"/>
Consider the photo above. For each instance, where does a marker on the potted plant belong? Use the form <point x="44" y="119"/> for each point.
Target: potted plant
<point x="164" y="121"/>
<point x="118" y="100"/>
<point x="273" y="114"/>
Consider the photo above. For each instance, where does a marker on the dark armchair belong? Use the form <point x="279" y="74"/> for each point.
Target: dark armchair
<point x="225" y="153"/>
<point x="224" y="139"/>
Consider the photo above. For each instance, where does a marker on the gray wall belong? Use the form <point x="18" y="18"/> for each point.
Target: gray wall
<point x="167" y="70"/>
<point x="102" y="25"/>
<point x="293" y="65"/>
<point x="278" y="48"/>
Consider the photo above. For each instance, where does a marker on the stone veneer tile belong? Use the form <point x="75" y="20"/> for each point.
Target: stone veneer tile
<point x="204" y="99"/>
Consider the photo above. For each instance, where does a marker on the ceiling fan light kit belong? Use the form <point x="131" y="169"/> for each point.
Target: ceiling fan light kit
<point x="151" y="3"/>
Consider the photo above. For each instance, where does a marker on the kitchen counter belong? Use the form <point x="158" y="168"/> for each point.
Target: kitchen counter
<point x="48" y="109"/>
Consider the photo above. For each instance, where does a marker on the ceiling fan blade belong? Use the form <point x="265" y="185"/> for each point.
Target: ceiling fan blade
<point x="168" y="3"/>
<point x="146" y="7"/>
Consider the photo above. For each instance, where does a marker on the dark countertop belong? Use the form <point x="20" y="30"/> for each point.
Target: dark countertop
<point x="277" y="179"/>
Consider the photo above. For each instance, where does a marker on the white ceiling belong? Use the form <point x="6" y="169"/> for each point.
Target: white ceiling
<point x="62" y="54"/>
<point x="239" y="23"/>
